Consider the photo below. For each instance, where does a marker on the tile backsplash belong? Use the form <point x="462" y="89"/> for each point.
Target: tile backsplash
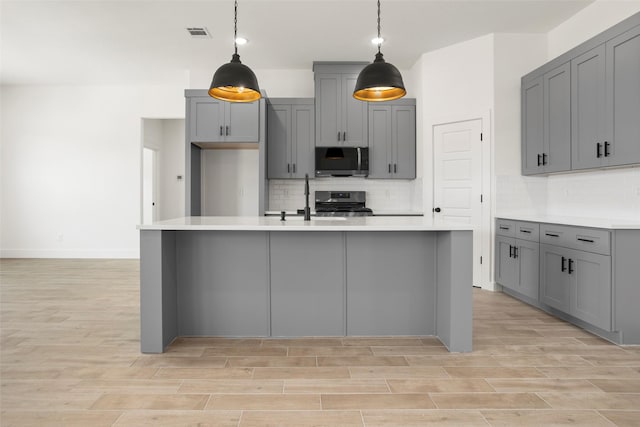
<point x="612" y="193"/>
<point x="382" y="194"/>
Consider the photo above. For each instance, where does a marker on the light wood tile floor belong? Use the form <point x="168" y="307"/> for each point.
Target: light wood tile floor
<point x="70" y="357"/>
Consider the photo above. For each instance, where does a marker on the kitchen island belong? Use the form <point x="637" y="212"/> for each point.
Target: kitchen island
<point x="262" y="277"/>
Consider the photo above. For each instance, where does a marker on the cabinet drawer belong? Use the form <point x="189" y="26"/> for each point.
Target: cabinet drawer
<point x="592" y="240"/>
<point x="584" y="239"/>
<point x="505" y="228"/>
<point x="528" y="231"/>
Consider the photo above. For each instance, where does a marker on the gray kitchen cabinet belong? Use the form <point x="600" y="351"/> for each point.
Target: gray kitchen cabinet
<point x="595" y="105"/>
<point x="212" y="120"/>
<point x="517" y="260"/>
<point x="588" y="126"/>
<point x="341" y="120"/>
<point x="555" y="286"/>
<point x="623" y="99"/>
<point x="392" y="140"/>
<point x="290" y="133"/>
<point x="546" y="113"/>
<point x="578" y="283"/>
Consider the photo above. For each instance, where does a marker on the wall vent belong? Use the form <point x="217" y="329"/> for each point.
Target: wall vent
<point x="199" y="32"/>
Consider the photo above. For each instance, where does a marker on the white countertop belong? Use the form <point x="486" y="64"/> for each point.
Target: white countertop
<point x="375" y="213"/>
<point x="608" y="223"/>
<point x="262" y="223"/>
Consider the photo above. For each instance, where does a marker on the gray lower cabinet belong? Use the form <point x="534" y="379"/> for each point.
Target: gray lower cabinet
<point x="307" y="284"/>
<point x="517" y="260"/>
<point x="212" y="120"/>
<point x="341" y="120"/>
<point x="290" y="138"/>
<point x="546" y="132"/>
<point x="392" y="139"/>
<point x="578" y="283"/>
<point x="588" y="98"/>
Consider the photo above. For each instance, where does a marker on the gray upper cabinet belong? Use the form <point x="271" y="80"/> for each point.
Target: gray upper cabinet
<point x="582" y="109"/>
<point x="340" y="118"/>
<point x="546" y="130"/>
<point x="623" y="99"/>
<point x="290" y="132"/>
<point x="532" y="126"/>
<point x="589" y="109"/>
<point x="212" y="120"/>
<point x="392" y="139"/>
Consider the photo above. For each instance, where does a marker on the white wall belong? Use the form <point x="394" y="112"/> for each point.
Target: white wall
<point x="172" y="163"/>
<point x="71" y="167"/>
<point x="600" y="193"/>
<point x="457" y="84"/>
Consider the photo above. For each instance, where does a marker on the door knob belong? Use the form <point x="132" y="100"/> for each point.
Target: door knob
<point x="436" y="209"/>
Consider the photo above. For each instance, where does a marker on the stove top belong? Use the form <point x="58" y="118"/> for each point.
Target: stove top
<point x="341" y="203"/>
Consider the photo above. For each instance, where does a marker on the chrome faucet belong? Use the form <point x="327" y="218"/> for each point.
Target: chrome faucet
<point x="307" y="209"/>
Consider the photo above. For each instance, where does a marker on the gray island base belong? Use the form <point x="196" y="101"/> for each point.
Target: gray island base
<point x="218" y="276"/>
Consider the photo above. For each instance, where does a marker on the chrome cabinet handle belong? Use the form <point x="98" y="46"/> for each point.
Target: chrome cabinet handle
<point x="338" y="136"/>
<point x="227" y="130"/>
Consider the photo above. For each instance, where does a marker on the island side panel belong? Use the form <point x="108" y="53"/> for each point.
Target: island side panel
<point x="158" y="311"/>
<point x="626" y="279"/>
<point x="455" y="290"/>
<point x="391" y="283"/>
<point x="307" y="284"/>
<point x="223" y="283"/>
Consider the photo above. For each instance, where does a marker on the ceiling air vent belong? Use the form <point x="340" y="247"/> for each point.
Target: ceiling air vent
<point x="199" y="32"/>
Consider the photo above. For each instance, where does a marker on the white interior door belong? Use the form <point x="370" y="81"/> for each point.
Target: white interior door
<point x="458" y="179"/>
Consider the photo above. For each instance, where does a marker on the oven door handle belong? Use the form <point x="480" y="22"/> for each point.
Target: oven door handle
<point x="359" y="159"/>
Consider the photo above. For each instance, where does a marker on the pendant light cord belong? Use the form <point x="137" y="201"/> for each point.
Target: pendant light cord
<point x="379" y="39"/>
<point x="235" y="26"/>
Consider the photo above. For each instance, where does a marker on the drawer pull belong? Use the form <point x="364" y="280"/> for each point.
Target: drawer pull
<point x="525" y="231"/>
<point x="585" y="240"/>
<point x="552" y="235"/>
<point x="503" y="227"/>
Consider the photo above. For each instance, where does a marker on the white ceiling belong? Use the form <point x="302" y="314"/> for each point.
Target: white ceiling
<point x="127" y="41"/>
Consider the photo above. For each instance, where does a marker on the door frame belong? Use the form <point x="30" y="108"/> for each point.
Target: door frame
<point x="485" y="233"/>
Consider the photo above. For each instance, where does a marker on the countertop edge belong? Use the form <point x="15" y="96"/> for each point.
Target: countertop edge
<point x="608" y="224"/>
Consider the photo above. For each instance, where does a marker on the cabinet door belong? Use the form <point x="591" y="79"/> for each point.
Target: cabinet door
<point x="532" y="127"/>
<point x="354" y="116"/>
<point x="591" y="288"/>
<point x="206" y="120"/>
<point x="403" y="125"/>
<point x="623" y="98"/>
<point x="328" y="89"/>
<point x="528" y="269"/>
<point x="278" y="141"/>
<point x="555" y="282"/>
<point x="505" y="264"/>
<point x="380" y="163"/>
<point x="556" y="155"/>
<point x="242" y="122"/>
<point x="588" y="109"/>
<point x="302" y="132"/>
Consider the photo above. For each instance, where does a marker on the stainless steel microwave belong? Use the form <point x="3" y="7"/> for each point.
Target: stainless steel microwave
<point x="342" y="161"/>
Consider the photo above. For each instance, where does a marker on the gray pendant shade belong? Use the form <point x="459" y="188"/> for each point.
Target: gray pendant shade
<point x="235" y="82"/>
<point x="379" y="81"/>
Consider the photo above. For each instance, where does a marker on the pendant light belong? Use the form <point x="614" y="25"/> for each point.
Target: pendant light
<point x="379" y="81"/>
<point x="235" y="82"/>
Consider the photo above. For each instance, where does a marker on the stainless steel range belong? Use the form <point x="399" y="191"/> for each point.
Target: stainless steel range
<point x="342" y="203"/>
